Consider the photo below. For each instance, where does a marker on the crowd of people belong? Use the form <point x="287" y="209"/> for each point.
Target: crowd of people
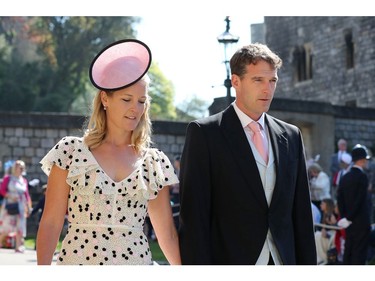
<point x="344" y="233"/>
<point x="257" y="202"/>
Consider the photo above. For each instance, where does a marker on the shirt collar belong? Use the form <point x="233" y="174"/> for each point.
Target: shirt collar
<point x="246" y="120"/>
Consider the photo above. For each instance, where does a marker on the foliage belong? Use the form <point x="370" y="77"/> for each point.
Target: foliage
<point x="162" y="94"/>
<point x="157" y="254"/>
<point x="44" y="63"/>
<point x="192" y="108"/>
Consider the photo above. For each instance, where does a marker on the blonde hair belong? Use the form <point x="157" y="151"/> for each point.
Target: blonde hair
<point x="96" y="127"/>
<point x="18" y="163"/>
<point x="315" y="167"/>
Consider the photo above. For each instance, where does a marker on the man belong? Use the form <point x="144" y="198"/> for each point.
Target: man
<point x="345" y="164"/>
<point x="236" y="206"/>
<point x="353" y="206"/>
<point x="337" y="157"/>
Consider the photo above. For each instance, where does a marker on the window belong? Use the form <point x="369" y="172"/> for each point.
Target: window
<point x="302" y="60"/>
<point x="349" y="48"/>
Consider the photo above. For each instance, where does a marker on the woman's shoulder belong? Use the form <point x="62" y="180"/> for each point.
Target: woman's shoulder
<point x="69" y="143"/>
<point x="62" y="153"/>
<point x="153" y="151"/>
<point x="158" y="172"/>
<point x="157" y="156"/>
<point x="69" y="140"/>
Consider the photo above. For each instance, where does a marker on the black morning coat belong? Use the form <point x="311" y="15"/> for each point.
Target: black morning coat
<point x="224" y="215"/>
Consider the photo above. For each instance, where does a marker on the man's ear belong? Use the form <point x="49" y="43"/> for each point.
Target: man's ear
<point x="235" y="80"/>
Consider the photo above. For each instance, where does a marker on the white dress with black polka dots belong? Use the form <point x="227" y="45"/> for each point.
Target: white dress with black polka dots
<point x="106" y="218"/>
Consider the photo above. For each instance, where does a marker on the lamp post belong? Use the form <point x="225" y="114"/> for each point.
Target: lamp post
<point x="226" y="39"/>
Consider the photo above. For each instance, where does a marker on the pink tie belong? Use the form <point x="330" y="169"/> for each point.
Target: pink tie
<point x="259" y="140"/>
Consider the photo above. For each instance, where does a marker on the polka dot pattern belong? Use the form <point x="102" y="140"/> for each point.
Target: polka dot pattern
<point x="106" y="218"/>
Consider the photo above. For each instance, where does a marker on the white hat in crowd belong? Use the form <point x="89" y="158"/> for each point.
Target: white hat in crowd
<point x="346" y="158"/>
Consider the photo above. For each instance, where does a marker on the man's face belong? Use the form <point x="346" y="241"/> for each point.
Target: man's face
<point x="342" y="146"/>
<point x="255" y="90"/>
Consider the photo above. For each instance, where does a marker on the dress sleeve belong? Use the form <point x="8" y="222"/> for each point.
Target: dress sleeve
<point x="158" y="172"/>
<point x="60" y="155"/>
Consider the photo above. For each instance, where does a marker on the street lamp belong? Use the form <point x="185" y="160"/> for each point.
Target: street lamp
<point x="227" y="39"/>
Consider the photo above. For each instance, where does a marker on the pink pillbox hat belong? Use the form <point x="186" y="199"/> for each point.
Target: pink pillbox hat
<point x="120" y="65"/>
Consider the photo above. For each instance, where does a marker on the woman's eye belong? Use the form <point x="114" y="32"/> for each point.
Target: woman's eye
<point x="142" y="102"/>
<point x="126" y="100"/>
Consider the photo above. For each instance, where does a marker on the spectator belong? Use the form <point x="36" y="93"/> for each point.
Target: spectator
<point x="324" y="238"/>
<point x="371" y="188"/>
<point x="175" y="192"/>
<point x="317" y="216"/>
<point x="175" y="188"/>
<point x="353" y="206"/>
<point x="15" y="191"/>
<point x="39" y="207"/>
<point x="336" y="158"/>
<point x="319" y="184"/>
<point x="345" y="164"/>
<point x="339" y="238"/>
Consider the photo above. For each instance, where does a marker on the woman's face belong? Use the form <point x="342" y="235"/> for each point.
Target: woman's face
<point x="18" y="168"/>
<point x="125" y="107"/>
<point x="323" y="206"/>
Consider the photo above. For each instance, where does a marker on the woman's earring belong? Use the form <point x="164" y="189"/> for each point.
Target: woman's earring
<point x="104" y="107"/>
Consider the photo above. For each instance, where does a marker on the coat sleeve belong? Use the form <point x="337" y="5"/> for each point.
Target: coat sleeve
<point x="304" y="227"/>
<point x="195" y="196"/>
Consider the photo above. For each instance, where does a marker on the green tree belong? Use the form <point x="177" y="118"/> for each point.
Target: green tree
<point x="44" y="63"/>
<point x="16" y="69"/>
<point x="192" y="108"/>
<point x="162" y="94"/>
<point x="56" y="73"/>
<point x="68" y="44"/>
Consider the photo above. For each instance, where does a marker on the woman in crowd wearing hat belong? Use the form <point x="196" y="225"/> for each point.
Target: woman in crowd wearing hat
<point x="111" y="178"/>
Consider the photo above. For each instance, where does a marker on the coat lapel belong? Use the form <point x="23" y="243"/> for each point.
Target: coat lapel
<point x="238" y="144"/>
<point x="279" y="144"/>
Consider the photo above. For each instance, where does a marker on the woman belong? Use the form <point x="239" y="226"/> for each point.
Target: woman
<point x="110" y="179"/>
<point x="324" y="239"/>
<point x="15" y="190"/>
<point x="320" y="186"/>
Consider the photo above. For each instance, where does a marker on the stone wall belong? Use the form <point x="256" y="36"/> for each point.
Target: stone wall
<point x="29" y="136"/>
<point x="323" y="124"/>
<point x="331" y="81"/>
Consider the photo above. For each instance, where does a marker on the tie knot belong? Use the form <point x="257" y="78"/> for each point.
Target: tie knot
<point x="254" y="126"/>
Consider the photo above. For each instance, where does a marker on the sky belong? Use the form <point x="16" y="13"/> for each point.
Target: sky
<point x="188" y="53"/>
